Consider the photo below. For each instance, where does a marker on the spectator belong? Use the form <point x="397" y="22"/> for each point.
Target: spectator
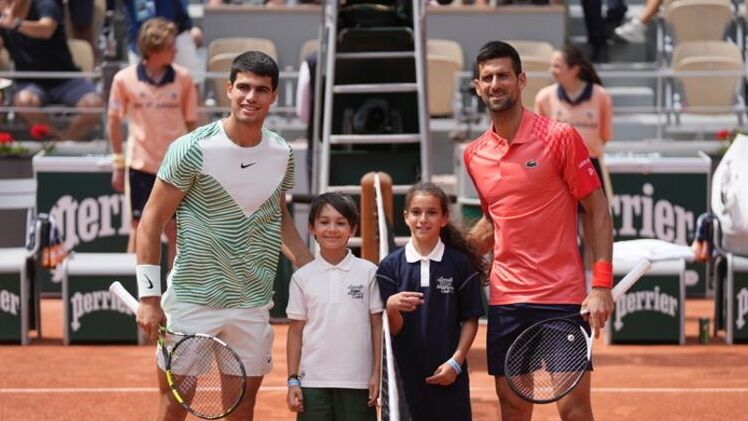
<point x="32" y="32"/>
<point x="635" y="29"/>
<point x="160" y="103"/>
<point x="81" y="19"/>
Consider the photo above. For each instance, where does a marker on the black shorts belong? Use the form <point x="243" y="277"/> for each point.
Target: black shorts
<point x="506" y="322"/>
<point x="141" y="184"/>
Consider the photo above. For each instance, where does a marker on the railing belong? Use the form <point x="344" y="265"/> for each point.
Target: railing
<point x="666" y="108"/>
<point x="667" y="101"/>
<point x="283" y="107"/>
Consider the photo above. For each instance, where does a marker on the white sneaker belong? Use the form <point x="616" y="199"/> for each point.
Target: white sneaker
<point x="632" y="31"/>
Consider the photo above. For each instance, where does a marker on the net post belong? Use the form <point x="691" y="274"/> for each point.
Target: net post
<point x="369" y="228"/>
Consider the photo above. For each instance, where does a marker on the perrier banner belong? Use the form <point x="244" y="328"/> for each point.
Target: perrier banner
<point x="77" y="192"/>
<point x="661" y="197"/>
<point x="737" y="299"/>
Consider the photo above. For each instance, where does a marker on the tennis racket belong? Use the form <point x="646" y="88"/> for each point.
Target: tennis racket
<point x="549" y="358"/>
<point x="205" y="375"/>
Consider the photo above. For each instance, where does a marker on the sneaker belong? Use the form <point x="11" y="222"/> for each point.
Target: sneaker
<point x="632" y="31"/>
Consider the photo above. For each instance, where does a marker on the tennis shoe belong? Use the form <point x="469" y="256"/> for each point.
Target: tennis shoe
<point x="632" y="31"/>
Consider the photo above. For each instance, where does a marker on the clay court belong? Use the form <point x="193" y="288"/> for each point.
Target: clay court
<point x="49" y="381"/>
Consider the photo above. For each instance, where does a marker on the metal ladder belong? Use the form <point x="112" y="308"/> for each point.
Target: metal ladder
<point x="365" y="59"/>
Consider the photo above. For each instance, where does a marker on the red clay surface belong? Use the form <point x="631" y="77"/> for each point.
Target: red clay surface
<point x="49" y="381"/>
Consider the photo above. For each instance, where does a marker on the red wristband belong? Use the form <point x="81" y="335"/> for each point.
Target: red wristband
<point x="602" y="274"/>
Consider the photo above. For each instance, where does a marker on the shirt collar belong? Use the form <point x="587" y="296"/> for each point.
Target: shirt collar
<point x="345" y="265"/>
<point x="584" y="96"/>
<point x="412" y="255"/>
<point x="524" y="131"/>
<point x="168" y="77"/>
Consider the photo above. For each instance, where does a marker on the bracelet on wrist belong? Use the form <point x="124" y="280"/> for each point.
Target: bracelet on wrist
<point x="294" y="380"/>
<point x="118" y="161"/>
<point x="17" y="24"/>
<point x="455" y="365"/>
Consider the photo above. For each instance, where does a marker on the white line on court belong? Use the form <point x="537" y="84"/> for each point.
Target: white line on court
<point x="74" y="390"/>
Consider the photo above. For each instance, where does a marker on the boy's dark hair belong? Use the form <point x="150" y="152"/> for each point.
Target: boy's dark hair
<point x="256" y="62"/>
<point x="450" y="234"/>
<point x="340" y="202"/>
<point x="498" y="49"/>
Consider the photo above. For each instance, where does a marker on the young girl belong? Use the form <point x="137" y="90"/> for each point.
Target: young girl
<point x="334" y="339"/>
<point x="432" y="292"/>
<point x="579" y="99"/>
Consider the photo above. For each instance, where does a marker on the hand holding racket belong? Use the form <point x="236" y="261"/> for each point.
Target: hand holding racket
<point x="549" y="358"/>
<point x="205" y="375"/>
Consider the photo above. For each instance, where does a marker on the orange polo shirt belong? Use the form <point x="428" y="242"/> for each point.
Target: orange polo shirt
<point x="593" y="117"/>
<point x="530" y="188"/>
<point x="157" y="114"/>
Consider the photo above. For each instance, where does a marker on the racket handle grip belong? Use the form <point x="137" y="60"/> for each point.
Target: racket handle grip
<point x="117" y="289"/>
<point x="639" y="270"/>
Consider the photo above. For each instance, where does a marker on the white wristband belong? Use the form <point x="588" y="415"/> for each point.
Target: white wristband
<point x="455" y="365"/>
<point x="149" y="280"/>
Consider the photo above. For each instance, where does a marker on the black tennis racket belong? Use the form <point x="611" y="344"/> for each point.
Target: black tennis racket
<point x="206" y="376"/>
<point x="548" y="359"/>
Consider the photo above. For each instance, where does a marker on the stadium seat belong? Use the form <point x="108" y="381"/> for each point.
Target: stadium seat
<point x="310" y="46"/>
<point x="441" y="71"/>
<point x="5" y="62"/>
<point x="446" y="48"/>
<point x="444" y="60"/>
<point x="83" y="55"/>
<point x="702" y="92"/>
<point x="220" y="63"/>
<point x="698" y="20"/>
<point x="238" y="45"/>
<point x="536" y="57"/>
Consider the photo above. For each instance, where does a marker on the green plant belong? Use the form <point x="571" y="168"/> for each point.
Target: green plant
<point x="9" y="147"/>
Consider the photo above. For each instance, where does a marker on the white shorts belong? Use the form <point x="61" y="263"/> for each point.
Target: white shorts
<point x="246" y="330"/>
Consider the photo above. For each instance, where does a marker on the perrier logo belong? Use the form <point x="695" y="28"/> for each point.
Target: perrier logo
<point x="85" y="303"/>
<point x="637" y="301"/>
<point x="644" y="216"/>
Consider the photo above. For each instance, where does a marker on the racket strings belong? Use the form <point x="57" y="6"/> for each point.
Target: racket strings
<point x="207" y="375"/>
<point x="548" y="360"/>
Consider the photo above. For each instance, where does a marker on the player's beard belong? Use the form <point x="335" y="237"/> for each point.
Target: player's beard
<point x="498" y="107"/>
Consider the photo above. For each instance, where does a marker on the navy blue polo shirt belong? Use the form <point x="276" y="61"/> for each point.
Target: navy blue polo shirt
<point x="430" y="334"/>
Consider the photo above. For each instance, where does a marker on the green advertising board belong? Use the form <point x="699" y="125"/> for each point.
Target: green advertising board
<point x="75" y="189"/>
<point x="737" y="299"/>
<point x="91" y="314"/>
<point x="652" y="310"/>
<point x="14" y="297"/>
<point x="661" y="197"/>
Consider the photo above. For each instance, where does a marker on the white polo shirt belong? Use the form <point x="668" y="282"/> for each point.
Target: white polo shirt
<point x="335" y="301"/>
